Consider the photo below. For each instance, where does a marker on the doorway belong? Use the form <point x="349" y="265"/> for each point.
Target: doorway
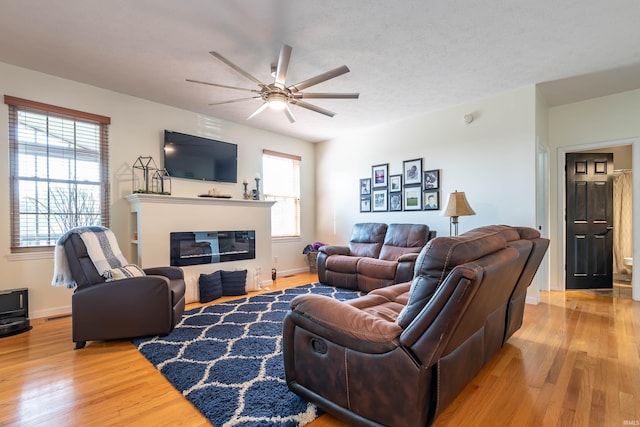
<point x="589" y="220"/>
<point x="624" y="162"/>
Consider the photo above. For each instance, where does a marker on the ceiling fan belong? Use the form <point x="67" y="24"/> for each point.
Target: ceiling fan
<point x="276" y="95"/>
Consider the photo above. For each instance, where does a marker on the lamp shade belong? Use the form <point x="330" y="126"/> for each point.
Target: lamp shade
<point x="458" y="205"/>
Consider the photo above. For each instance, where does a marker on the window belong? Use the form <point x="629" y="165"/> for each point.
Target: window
<point x="58" y="172"/>
<point x="281" y="183"/>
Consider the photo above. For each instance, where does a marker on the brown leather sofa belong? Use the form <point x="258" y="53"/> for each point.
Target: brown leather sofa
<point x="126" y="308"/>
<point x="377" y="255"/>
<point x="400" y="354"/>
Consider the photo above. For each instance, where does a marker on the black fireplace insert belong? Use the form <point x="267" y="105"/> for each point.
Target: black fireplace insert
<point x="205" y="247"/>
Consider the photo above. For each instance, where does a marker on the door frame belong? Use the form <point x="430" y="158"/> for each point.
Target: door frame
<point x="561" y="203"/>
<point x="542" y="277"/>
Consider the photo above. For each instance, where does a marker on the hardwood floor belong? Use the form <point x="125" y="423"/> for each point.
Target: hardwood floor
<point x="575" y="362"/>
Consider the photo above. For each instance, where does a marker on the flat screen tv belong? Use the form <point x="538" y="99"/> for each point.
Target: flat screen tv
<point x="204" y="159"/>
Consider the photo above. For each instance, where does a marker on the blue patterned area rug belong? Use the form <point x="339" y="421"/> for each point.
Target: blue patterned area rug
<point x="226" y="359"/>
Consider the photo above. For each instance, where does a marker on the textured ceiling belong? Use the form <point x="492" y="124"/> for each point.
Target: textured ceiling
<point x="406" y="57"/>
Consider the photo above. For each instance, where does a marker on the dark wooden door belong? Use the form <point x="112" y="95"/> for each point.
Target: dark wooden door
<point x="589" y="218"/>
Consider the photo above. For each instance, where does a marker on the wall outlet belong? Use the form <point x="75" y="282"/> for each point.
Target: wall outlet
<point x="275" y="259"/>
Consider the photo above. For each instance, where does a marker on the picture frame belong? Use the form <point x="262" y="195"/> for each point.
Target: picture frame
<point x="380" y="175"/>
<point x="365" y="204"/>
<point x="412" y="171"/>
<point x="365" y="187"/>
<point x="431" y="180"/>
<point x="431" y="200"/>
<point x="395" y="201"/>
<point x="395" y="183"/>
<point x="379" y="201"/>
<point x="412" y="198"/>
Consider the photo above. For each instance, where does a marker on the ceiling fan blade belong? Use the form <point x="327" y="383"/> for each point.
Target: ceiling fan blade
<point x="237" y="69"/>
<point x="289" y="113"/>
<point x="234" y="100"/>
<point x="219" y="85"/>
<point x="283" y="64"/>
<point x="258" y="111"/>
<point x="319" y="78"/>
<point x="312" y="107"/>
<point x="301" y="95"/>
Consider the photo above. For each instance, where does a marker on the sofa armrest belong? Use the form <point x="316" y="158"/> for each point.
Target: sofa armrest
<point x="325" y="252"/>
<point x="412" y="257"/>
<point x="406" y="265"/>
<point x="334" y="250"/>
<point x="344" y="324"/>
<point x="168" y="272"/>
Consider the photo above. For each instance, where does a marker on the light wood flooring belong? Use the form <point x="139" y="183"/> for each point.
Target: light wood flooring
<point x="575" y="362"/>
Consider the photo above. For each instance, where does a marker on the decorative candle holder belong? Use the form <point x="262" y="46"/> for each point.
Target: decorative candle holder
<point x="256" y="192"/>
<point x="246" y="194"/>
<point x="161" y="182"/>
<point x="145" y="166"/>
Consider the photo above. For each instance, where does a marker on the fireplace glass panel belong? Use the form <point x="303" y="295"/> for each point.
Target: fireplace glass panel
<point x="205" y="247"/>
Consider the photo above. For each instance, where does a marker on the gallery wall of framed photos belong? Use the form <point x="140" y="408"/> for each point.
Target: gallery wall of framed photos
<point x="414" y="189"/>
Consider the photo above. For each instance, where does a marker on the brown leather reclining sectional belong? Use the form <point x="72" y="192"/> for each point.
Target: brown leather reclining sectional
<point x="400" y="354"/>
<point x="377" y="255"/>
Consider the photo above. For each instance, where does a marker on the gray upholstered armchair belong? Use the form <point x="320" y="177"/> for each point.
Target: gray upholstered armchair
<point x="131" y="307"/>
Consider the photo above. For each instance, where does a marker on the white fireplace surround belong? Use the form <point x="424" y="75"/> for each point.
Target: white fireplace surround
<point x="155" y="216"/>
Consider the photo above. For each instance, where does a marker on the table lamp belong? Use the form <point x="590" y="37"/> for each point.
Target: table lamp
<point x="457" y="206"/>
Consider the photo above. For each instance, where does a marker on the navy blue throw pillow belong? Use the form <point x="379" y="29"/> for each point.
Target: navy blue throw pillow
<point x="210" y="286"/>
<point x="233" y="282"/>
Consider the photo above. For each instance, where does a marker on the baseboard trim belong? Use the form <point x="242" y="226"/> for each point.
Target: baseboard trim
<point x="532" y="301"/>
<point x="51" y="313"/>
<point x="293" y="271"/>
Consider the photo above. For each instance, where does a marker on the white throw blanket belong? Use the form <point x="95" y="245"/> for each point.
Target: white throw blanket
<point x="102" y="248"/>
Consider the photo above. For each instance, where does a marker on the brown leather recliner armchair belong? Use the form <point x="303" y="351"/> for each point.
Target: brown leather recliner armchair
<point x="400" y="354"/>
<point x="377" y="255"/>
<point x="126" y="308"/>
<point x="520" y="238"/>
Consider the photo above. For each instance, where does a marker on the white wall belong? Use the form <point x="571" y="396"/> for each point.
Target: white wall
<point x="491" y="159"/>
<point x="136" y="129"/>
<point x="595" y="123"/>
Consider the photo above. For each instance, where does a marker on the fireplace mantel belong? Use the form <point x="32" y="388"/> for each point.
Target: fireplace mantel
<point x="173" y="200"/>
<point x="155" y="216"/>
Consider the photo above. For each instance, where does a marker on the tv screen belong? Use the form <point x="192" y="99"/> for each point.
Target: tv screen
<point x="195" y="157"/>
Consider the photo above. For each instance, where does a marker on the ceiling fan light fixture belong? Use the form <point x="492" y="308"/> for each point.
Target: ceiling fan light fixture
<point x="277" y="101"/>
<point x="277" y="95"/>
<point x="277" y="105"/>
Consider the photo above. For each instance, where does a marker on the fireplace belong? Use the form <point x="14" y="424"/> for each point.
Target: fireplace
<point x="206" y="247"/>
<point x="157" y="216"/>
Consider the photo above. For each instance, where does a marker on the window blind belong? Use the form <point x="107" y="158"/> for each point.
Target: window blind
<point x="58" y="172"/>
<point x="281" y="183"/>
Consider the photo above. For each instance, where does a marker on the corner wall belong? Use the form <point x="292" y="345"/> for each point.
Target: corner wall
<point x="491" y="159"/>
